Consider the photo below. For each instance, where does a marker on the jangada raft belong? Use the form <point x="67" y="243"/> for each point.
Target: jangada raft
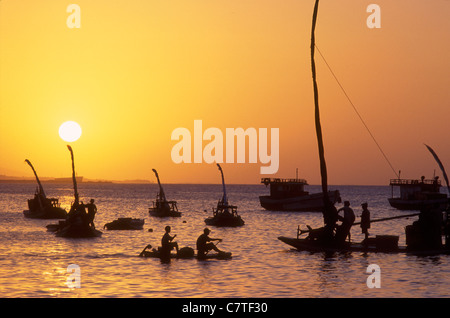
<point x="161" y="207"/>
<point x="78" y="224"/>
<point x="41" y="207"/>
<point x="225" y="214"/>
<point x="125" y="224"/>
<point x="183" y="253"/>
<point x="423" y="237"/>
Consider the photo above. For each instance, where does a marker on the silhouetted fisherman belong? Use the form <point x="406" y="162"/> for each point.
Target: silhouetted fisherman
<point x="92" y="210"/>
<point x="77" y="214"/>
<point x="166" y="242"/>
<point x="330" y="218"/>
<point x="365" y="221"/>
<point x="347" y="221"/>
<point x="204" y="244"/>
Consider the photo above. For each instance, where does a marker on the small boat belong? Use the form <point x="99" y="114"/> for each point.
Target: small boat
<point x="41" y="207"/>
<point x="77" y="230"/>
<point x="417" y="194"/>
<point x="125" y="224"/>
<point x="183" y="253"/>
<point x="77" y="224"/>
<point x="161" y="207"/>
<point x="225" y="214"/>
<point x="289" y="195"/>
<point x="381" y="243"/>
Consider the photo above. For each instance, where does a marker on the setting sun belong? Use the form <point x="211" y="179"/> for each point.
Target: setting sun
<point x="70" y="131"/>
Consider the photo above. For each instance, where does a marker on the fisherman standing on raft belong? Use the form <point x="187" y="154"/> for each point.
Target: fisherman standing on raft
<point x="365" y="221"/>
<point x="347" y="221"/>
<point x="92" y="210"/>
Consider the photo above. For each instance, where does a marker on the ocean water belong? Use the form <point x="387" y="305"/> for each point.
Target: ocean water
<point x="33" y="262"/>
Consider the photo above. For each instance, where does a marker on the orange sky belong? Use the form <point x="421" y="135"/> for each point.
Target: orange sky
<point x="137" y="70"/>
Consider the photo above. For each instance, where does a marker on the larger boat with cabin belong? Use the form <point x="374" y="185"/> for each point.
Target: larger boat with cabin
<point x="417" y="194"/>
<point x="290" y="195"/>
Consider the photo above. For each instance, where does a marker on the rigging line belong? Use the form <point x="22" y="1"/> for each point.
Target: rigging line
<point x="357" y="113"/>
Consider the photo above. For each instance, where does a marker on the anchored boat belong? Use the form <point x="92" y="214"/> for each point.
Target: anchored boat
<point x="77" y="224"/>
<point x="225" y="214"/>
<point x="290" y="195"/>
<point x="161" y="207"/>
<point x="417" y="194"/>
<point x="125" y="224"/>
<point x="41" y="207"/>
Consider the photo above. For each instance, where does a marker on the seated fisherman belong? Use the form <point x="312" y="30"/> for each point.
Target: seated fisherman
<point x="204" y="244"/>
<point x="166" y="242"/>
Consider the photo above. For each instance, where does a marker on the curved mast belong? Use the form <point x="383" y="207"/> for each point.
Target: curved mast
<point x="75" y="188"/>
<point x="41" y="189"/>
<point x="224" y="198"/>
<point x="162" y="196"/>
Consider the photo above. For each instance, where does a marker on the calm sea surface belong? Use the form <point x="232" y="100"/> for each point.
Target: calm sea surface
<point x="33" y="262"/>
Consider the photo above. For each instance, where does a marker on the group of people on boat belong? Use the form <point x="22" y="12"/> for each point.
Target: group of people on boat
<point x="79" y="215"/>
<point x="204" y="243"/>
<point x="334" y="233"/>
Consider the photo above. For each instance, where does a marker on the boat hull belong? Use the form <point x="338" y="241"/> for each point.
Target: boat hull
<point x="62" y="229"/>
<point x="46" y="213"/>
<point x="416" y="205"/>
<point x="304" y="203"/>
<point x="314" y="246"/>
<point x="157" y="254"/>
<point x="220" y="221"/>
<point x="125" y="224"/>
<point x="163" y="213"/>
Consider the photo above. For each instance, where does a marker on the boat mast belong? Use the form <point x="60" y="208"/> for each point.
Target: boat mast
<point x="440" y="166"/>
<point x="75" y="188"/>
<point x="41" y="189"/>
<point x="323" y="166"/>
<point x="162" y="196"/>
<point x="225" y="198"/>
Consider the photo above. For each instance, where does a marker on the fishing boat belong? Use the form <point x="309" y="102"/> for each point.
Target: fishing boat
<point x="423" y="236"/>
<point x="41" y="207"/>
<point x="161" y="207"/>
<point x="125" y="224"/>
<point x="224" y="214"/>
<point x="77" y="224"/>
<point x="183" y="253"/>
<point x="290" y="195"/>
<point x="417" y="194"/>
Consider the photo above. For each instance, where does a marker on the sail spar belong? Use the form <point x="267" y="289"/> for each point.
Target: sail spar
<point x="440" y="166"/>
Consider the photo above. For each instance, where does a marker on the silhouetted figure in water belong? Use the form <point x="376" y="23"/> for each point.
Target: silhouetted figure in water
<point x="166" y="242"/>
<point x="92" y="210"/>
<point x="365" y="221"/>
<point x="347" y="221"/>
<point x="204" y="244"/>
